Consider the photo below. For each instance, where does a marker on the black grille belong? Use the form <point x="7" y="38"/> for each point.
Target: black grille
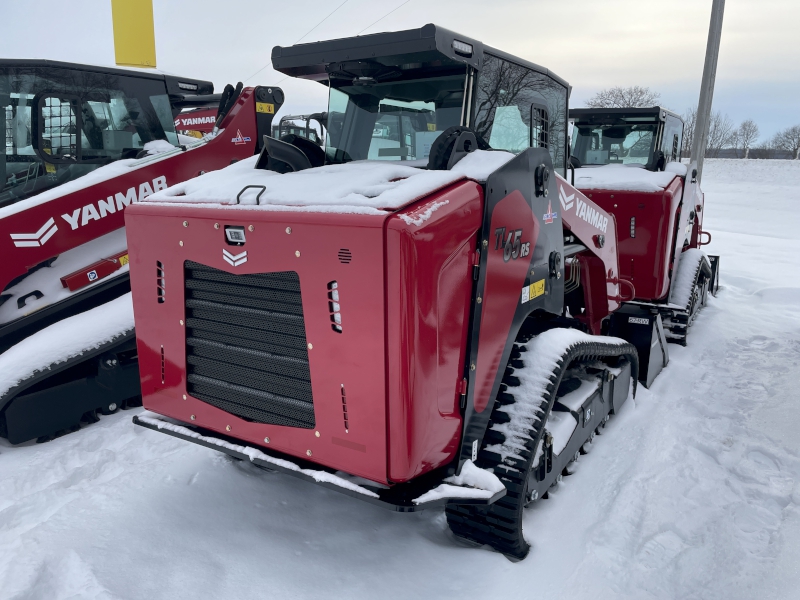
<point x="246" y="349"/>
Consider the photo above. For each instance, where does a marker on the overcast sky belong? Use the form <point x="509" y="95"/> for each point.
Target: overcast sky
<point x="590" y="43"/>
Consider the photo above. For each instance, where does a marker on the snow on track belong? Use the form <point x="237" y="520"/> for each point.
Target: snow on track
<point x="692" y="492"/>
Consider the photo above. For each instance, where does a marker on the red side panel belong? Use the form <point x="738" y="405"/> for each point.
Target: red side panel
<point x="504" y="282"/>
<point x="428" y="290"/>
<point x="644" y="255"/>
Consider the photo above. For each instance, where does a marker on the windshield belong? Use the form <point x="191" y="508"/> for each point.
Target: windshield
<point x="613" y="144"/>
<point x="397" y="120"/>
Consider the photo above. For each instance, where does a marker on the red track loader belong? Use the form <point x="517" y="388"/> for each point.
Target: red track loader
<point x="82" y="143"/>
<point x="415" y="315"/>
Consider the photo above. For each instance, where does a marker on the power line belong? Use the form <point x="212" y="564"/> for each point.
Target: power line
<point x="384" y="16"/>
<point x="304" y="36"/>
<point x="323" y="20"/>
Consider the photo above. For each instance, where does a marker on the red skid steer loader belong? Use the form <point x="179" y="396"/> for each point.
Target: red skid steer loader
<point x="82" y="144"/>
<point x="388" y="316"/>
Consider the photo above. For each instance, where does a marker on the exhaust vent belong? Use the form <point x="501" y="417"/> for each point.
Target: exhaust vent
<point x="246" y="347"/>
<point x="160" y="282"/>
<point x="334" y="307"/>
<point x="345" y="256"/>
<point x="344" y="410"/>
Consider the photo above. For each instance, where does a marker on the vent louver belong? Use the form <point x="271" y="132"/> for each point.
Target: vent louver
<point x="345" y="256"/>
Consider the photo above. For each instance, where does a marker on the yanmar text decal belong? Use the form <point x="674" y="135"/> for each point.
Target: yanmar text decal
<point x="184" y="122"/>
<point x="117" y="202"/>
<point x="582" y="210"/>
<point x="91" y="212"/>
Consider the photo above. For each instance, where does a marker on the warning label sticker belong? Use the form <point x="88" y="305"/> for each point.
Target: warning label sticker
<point x="532" y="291"/>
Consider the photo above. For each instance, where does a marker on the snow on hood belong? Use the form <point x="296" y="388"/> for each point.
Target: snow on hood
<point x="622" y="178"/>
<point x="478" y="165"/>
<point x="371" y="187"/>
<point x="158" y="146"/>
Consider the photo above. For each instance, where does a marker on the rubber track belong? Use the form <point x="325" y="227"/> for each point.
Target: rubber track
<point x="677" y="322"/>
<point x="500" y="525"/>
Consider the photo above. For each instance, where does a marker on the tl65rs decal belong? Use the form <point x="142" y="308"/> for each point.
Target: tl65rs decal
<point x="512" y="245"/>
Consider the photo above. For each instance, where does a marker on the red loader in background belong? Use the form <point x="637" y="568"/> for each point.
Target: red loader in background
<point x="82" y="144"/>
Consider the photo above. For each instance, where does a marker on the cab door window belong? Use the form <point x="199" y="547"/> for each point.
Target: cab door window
<point x="518" y="108"/>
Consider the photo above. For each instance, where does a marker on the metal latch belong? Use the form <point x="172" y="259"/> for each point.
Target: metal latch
<point x="476" y="265"/>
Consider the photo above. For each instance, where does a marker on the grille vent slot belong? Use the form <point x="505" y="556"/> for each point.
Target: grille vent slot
<point x="163" y="365"/>
<point x="246" y="349"/>
<point x="333" y="306"/>
<point x="344" y="410"/>
<point x="160" y="289"/>
<point x="345" y="256"/>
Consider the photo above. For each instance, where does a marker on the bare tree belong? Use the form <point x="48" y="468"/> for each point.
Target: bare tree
<point x="624" y="97"/>
<point x="721" y="132"/>
<point x="747" y="135"/>
<point x="689" y="124"/>
<point x="720" y="128"/>
<point x="789" y="140"/>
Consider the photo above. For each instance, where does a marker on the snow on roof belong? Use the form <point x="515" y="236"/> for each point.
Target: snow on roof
<point x="622" y="178"/>
<point x="366" y="187"/>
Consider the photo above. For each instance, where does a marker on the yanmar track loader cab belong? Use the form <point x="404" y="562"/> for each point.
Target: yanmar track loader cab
<point x="386" y="316"/>
<point x="644" y="137"/>
<point x="82" y="143"/>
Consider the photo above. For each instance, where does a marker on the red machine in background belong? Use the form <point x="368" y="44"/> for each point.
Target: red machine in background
<point x="417" y="314"/>
<point x="82" y="144"/>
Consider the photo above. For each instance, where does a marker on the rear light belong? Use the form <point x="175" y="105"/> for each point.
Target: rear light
<point x="633" y="227"/>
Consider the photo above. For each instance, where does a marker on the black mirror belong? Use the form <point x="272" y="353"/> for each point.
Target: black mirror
<point x="574" y="163"/>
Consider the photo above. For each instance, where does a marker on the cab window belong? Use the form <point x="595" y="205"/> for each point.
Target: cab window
<point x="518" y="108"/>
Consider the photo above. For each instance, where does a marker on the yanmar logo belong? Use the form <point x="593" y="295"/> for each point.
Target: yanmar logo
<point x="234" y="260"/>
<point x="34" y="240"/>
<point x="91" y="212"/>
<point x="582" y="210"/>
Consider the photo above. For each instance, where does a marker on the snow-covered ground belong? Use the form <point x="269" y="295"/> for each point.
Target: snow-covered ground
<point x="692" y="492"/>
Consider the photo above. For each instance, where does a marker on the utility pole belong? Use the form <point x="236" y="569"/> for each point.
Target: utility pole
<point x="707" y="86"/>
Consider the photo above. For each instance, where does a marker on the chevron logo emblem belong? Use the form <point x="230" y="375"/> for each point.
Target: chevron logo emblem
<point x="33" y="240"/>
<point x="566" y="201"/>
<point x="234" y="259"/>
